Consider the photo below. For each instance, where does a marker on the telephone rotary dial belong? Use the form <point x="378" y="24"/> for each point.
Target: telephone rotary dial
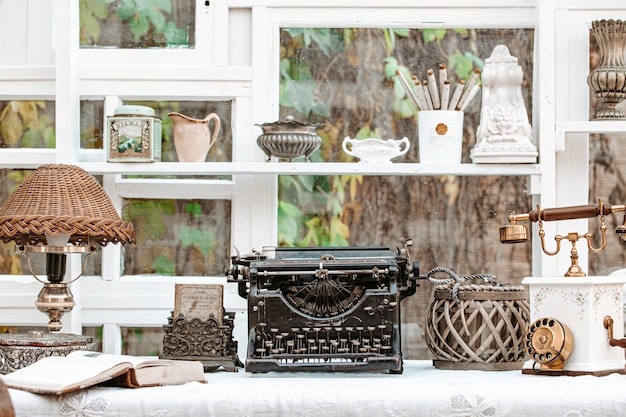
<point x="549" y="343"/>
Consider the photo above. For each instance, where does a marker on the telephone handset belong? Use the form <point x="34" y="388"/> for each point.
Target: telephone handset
<point x="549" y="343"/>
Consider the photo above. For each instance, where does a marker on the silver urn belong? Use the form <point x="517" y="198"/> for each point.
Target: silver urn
<point x="289" y="139"/>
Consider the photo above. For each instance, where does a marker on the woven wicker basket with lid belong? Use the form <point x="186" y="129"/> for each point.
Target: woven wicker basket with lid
<point x="477" y="326"/>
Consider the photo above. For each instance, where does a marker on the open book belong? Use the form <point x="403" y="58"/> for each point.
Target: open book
<point x="82" y="369"/>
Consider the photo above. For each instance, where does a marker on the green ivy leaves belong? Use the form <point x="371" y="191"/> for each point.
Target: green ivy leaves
<point x="297" y="89"/>
<point x="401" y="105"/>
<point x="464" y="63"/>
<point x="144" y="19"/>
<point x="200" y="238"/>
<point x="92" y="12"/>
<point x="141" y="14"/>
<point x="330" y="41"/>
<point x="27" y="124"/>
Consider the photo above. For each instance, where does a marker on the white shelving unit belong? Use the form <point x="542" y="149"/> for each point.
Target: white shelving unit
<point x="236" y="59"/>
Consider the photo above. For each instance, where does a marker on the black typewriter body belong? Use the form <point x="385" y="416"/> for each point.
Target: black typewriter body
<point x="324" y="309"/>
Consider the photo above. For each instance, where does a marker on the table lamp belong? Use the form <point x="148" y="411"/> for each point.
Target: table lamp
<point x="59" y="210"/>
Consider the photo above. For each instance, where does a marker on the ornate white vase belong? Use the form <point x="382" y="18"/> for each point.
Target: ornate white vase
<point x="504" y="134"/>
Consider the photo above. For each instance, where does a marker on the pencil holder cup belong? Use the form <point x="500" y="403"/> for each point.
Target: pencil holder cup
<point x="440" y="136"/>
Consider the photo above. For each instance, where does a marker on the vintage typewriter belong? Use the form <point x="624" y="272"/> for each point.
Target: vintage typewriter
<point x="326" y="309"/>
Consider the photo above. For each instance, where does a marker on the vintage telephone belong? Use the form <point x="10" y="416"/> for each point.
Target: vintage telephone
<point x="516" y="233"/>
<point x="550" y="337"/>
<point x="549" y="343"/>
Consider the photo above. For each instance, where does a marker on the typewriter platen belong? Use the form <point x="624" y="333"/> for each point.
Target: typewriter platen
<point x="326" y="309"/>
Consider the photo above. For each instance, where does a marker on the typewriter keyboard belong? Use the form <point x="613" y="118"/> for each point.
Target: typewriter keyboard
<point x="323" y="342"/>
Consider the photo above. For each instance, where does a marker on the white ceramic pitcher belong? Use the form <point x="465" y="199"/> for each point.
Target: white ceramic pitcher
<point x="193" y="137"/>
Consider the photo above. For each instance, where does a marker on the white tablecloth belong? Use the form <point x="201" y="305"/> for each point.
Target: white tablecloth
<point x="421" y="390"/>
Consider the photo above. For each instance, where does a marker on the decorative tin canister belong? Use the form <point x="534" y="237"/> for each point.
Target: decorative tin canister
<point x="477" y="326"/>
<point x="133" y="135"/>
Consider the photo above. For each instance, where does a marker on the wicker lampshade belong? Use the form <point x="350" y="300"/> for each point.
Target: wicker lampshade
<point x="62" y="199"/>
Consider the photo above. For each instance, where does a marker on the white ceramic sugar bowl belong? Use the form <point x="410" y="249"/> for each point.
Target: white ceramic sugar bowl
<point x="375" y="150"/>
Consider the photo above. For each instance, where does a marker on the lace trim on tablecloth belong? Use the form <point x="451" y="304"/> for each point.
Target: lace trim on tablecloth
<point x="76" y="404"/>
<point x="468" y="406"/>
<point x="80" y="404"/>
